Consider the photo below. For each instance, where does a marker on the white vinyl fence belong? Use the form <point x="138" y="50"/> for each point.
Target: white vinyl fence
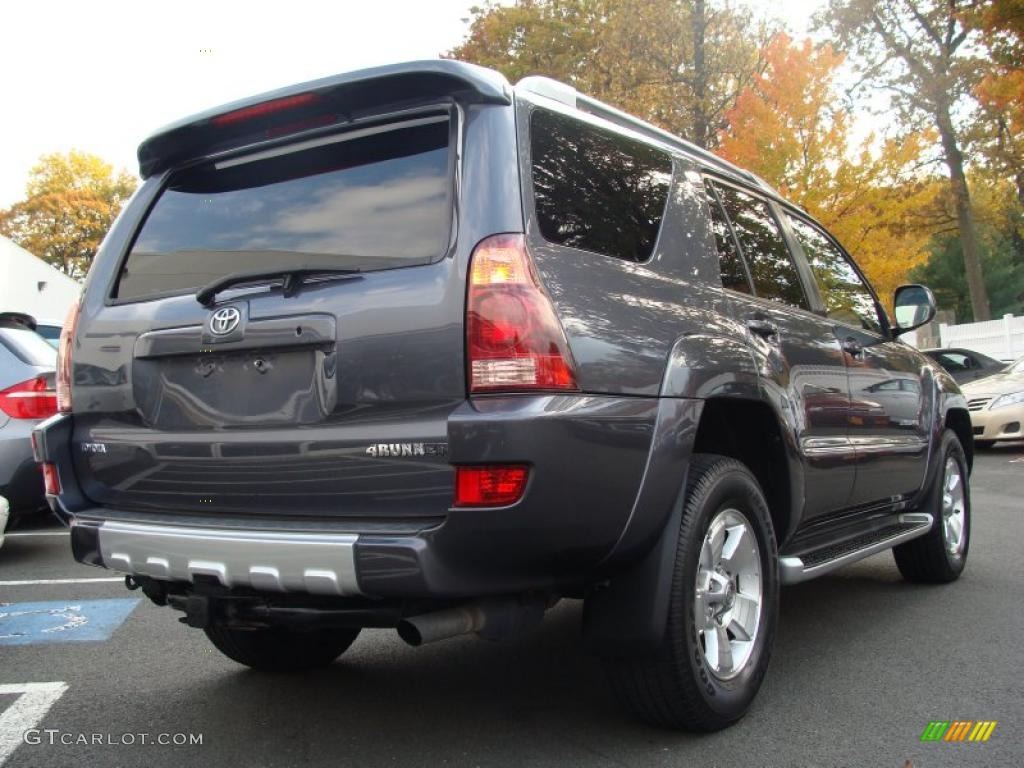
<point x="1002" y="339"/>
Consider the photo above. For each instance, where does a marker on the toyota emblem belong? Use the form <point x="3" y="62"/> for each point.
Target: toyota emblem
<point x="224" y="321"/>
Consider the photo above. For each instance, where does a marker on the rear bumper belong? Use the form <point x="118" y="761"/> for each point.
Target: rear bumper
<point x="280" y="561"/>
<point x="593" y="498"/>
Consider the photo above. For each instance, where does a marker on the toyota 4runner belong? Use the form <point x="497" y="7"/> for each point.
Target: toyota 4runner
<point x="411" y="347"/>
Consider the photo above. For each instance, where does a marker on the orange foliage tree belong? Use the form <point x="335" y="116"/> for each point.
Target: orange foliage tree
<point x="788" y="127"/>
<point x="1001" y="90"/>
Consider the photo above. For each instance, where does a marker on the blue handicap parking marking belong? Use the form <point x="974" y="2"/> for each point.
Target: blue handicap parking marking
<point x="62" y="621"/>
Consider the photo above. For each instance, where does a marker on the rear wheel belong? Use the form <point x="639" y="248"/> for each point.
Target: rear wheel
<point x="279" y="649"/>
<point x="940" y="555"/>
<point x="723" y="609"/>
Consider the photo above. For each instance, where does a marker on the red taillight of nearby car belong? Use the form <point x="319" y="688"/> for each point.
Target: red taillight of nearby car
<point x="32" y="399"/>
<point x="51" y="480"/>
<point x="490" y="486"/>
<point x="67" y="341"/>
<point x="514" y="341"/>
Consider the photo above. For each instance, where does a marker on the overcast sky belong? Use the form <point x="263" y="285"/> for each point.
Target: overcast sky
<point x="100" y="75"/>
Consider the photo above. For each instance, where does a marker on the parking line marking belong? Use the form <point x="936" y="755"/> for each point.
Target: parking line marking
<point x="19" y="534"/>
<point x="33" y="582"/>
<point x="26" y="712"/>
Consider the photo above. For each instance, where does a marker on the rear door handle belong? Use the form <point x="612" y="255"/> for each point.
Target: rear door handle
<point x="763" y="328"/>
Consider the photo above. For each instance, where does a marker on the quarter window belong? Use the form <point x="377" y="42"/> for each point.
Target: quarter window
<point x="597" y="190"/>
<point x="846" y="297"/>
<point x="771" y="265"/>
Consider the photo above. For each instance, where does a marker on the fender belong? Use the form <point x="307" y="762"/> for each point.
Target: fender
<point x="627" y="613"/>
<point x="699" y="366"/>
<point x="947" y="402"/>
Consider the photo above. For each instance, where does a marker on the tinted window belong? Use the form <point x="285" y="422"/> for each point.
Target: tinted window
<point x="597" y="190"/>
<point x="846" y="297"/>
<point x="954" y="361"/>
<point x="771" y="266"/>
<point x="369" y="202"/>
<point x="49" y="332"/>
<point x="734" y="276"/>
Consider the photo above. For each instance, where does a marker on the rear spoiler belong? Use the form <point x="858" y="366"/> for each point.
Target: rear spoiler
<point x="332" y="100"/>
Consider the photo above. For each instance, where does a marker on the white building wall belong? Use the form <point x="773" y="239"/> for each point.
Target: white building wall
<point x="32" y="286"/>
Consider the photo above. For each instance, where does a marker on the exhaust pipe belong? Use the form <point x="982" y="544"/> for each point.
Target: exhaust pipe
<point x="492" y="618"/>
<point x="440" y="625"/>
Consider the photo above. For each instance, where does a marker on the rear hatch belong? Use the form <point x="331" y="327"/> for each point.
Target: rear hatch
<point x="318" y="386"/>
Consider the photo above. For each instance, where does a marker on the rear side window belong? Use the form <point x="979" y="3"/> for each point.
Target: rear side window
<point x="597" y="190"/>
<point x="734" y="276"/>
<point x="352" y="200"/>
<point x="771" y="265"/>
<point x="846" y="297"/>
<point x="954" y="361"/>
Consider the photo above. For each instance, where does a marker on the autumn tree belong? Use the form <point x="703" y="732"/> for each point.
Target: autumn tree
<point x="1000" y="92"/>
<point x="920" y="53"/>
<point x="70" y="202"/>
<point x="788" y="126"/>
<point x="677" y="63"/>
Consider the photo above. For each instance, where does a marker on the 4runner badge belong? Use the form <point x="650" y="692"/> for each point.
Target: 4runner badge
<point x="379" y="450"/>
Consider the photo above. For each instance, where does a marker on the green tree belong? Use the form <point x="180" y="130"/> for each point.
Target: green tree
<point x="70" y="202"/>
<point x="1003" y="269"/>
<point x="677" y="63"/>
<point x="920" y="52"/>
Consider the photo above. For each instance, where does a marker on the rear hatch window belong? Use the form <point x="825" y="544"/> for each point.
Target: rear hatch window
<point x="29" y="347"/>
<point x="372" y="198"/>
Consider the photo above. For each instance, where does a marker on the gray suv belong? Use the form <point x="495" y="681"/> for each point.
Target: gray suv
<point x="411" y="347"/>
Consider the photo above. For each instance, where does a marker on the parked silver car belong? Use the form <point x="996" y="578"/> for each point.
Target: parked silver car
<point x="27" y="396"/>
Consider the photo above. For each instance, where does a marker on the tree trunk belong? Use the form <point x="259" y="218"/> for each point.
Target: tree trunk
<point x="965" y="218"/>
<point x="701" y="129"/>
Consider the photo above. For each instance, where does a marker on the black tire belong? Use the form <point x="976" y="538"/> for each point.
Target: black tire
<point x="984" y="444"/>
<point x="675" y="687"/>
<point x="279" y="649"/>
<point x="928" y="559"/>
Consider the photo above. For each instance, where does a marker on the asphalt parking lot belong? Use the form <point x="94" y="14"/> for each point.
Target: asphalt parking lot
<point x="862" y="664"/>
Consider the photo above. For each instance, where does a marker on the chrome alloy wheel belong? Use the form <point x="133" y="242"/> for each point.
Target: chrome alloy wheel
<point x="727" y="604"/>
<point x="954" y="516"/>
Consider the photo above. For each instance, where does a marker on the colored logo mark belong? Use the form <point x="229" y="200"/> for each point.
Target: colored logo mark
<point x="81" y="621"/>
<point x="958" y="730"/>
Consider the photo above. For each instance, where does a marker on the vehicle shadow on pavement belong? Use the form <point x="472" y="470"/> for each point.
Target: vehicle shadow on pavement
<point x="544" y="681"/>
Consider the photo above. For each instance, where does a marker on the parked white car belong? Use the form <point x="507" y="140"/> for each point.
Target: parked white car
<point x="996" y="404"/>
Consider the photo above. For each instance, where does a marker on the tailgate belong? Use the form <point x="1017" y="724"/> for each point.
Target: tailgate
<point x="325" y="397"/>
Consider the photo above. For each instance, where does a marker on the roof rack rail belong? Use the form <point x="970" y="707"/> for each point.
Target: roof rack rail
<point x="568" y="95"/>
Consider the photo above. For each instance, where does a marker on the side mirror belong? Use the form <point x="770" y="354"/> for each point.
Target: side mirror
<point x="915" y="306"/>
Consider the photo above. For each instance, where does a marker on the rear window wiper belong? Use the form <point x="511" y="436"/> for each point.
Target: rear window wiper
<point x="292" y="280"/>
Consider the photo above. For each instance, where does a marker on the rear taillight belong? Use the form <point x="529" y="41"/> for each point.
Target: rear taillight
<point x="32" y="399"/>
<point x="514" y="341"/>
<point x="492" y="486"/>
<point x="67" y="341"/>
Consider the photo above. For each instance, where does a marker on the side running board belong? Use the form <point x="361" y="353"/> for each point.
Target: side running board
<point x="809" y="565"/>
